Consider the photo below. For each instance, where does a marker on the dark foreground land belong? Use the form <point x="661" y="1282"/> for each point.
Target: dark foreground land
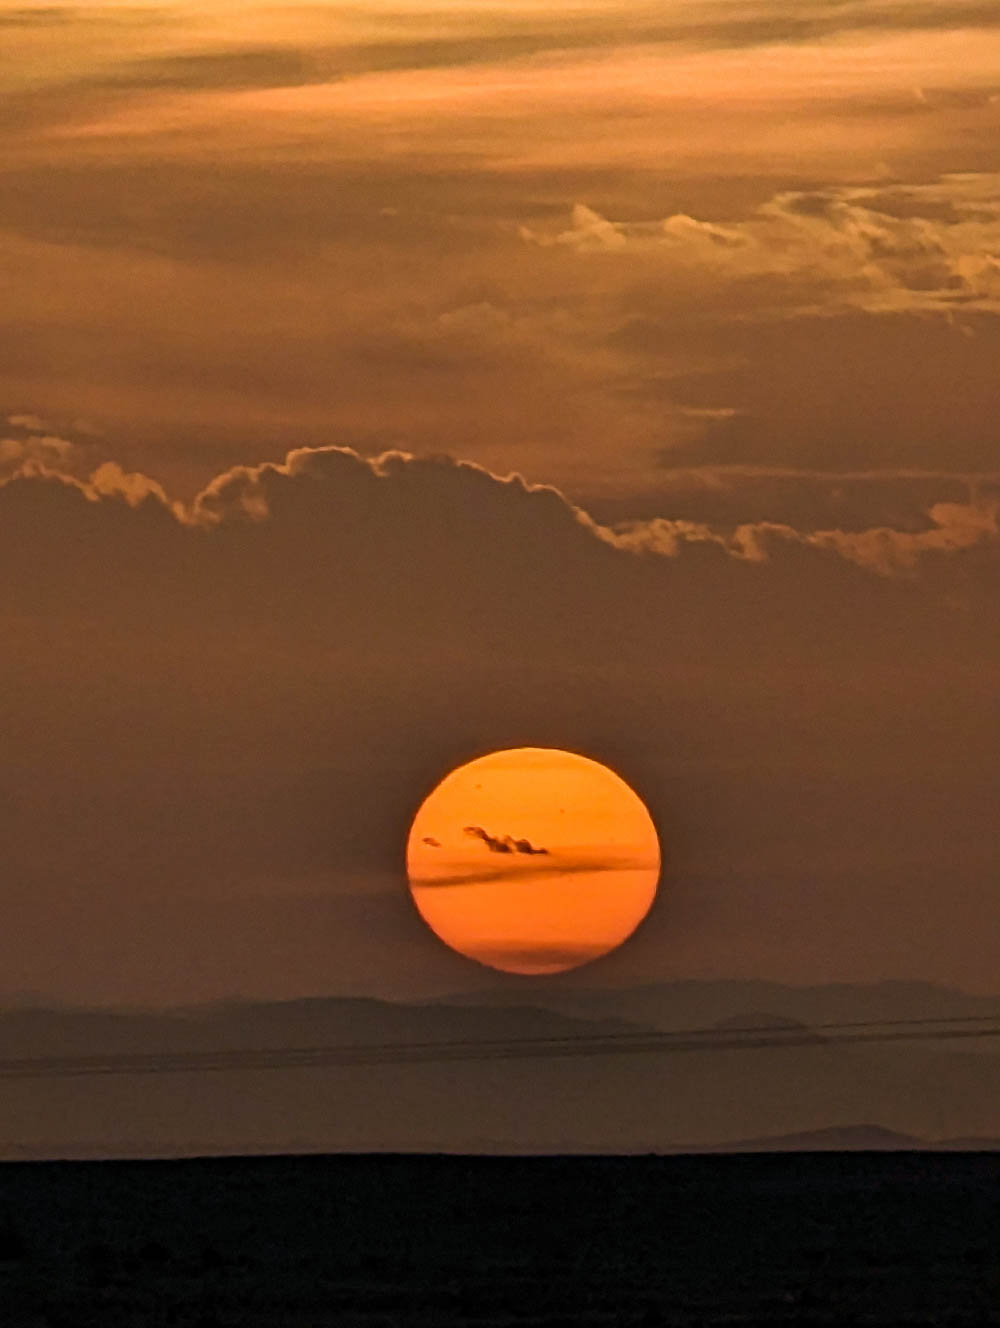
<point x="387" y="1240"/>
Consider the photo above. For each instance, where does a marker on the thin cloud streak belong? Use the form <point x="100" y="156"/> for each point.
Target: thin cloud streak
<point x="521" y="874"/>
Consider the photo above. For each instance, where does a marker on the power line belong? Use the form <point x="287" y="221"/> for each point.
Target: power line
<point x="345" y="1055"/>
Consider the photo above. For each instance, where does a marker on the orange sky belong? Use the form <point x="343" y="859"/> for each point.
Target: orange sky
<point x="235" y="226"/>
<point x="292" y="296"/>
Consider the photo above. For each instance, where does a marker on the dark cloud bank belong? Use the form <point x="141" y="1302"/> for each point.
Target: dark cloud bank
<point x="218" y="720"/>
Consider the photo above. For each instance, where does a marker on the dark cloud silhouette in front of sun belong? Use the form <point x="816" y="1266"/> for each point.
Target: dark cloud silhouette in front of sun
<point x="506" y="844"/>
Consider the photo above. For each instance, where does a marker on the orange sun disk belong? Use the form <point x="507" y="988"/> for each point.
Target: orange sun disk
<point x="533" y="860"/>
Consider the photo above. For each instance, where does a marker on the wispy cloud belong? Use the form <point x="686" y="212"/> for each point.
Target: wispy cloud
<point x="898" y="247"/>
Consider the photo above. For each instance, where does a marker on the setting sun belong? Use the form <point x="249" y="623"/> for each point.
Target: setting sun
<point x="533" y="860"/>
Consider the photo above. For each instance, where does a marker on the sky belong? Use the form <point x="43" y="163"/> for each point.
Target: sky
<point x="389" y="383"/>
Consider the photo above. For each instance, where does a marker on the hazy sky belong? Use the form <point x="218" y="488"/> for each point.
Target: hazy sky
<point x="289" y="292"/>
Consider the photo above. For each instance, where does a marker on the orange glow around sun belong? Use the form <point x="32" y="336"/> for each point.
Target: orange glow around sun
<point x="533" y="860"/>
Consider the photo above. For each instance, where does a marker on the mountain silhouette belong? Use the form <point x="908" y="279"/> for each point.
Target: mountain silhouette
<point x="587" y="1071"/>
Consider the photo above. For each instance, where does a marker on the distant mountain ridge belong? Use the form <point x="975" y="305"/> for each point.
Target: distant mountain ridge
<point x="690" y="1003"/>
<point x="850" y="1138"/>
<point x="809" y="1092"/>
<point x="316" y="1021"/>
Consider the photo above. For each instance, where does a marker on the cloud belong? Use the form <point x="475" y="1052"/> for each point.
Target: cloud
<point x="520" y="874"/>
<point x="723" y="497"/>
<point x="849" y="329"/>
<point x="248" y="493"/>
<point x="238" y="246"/>
<point x="30" y="423"/>
<point x="40" y="16"/>
<point x="36" y="452"/>
<point x="954" y="528"/>
<point x="233" y="67"/>
<point x="110" y="480"/>
<point x="313" y="482"/>
<point x="506" y="844"/>
<point x="927" y="248"/>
